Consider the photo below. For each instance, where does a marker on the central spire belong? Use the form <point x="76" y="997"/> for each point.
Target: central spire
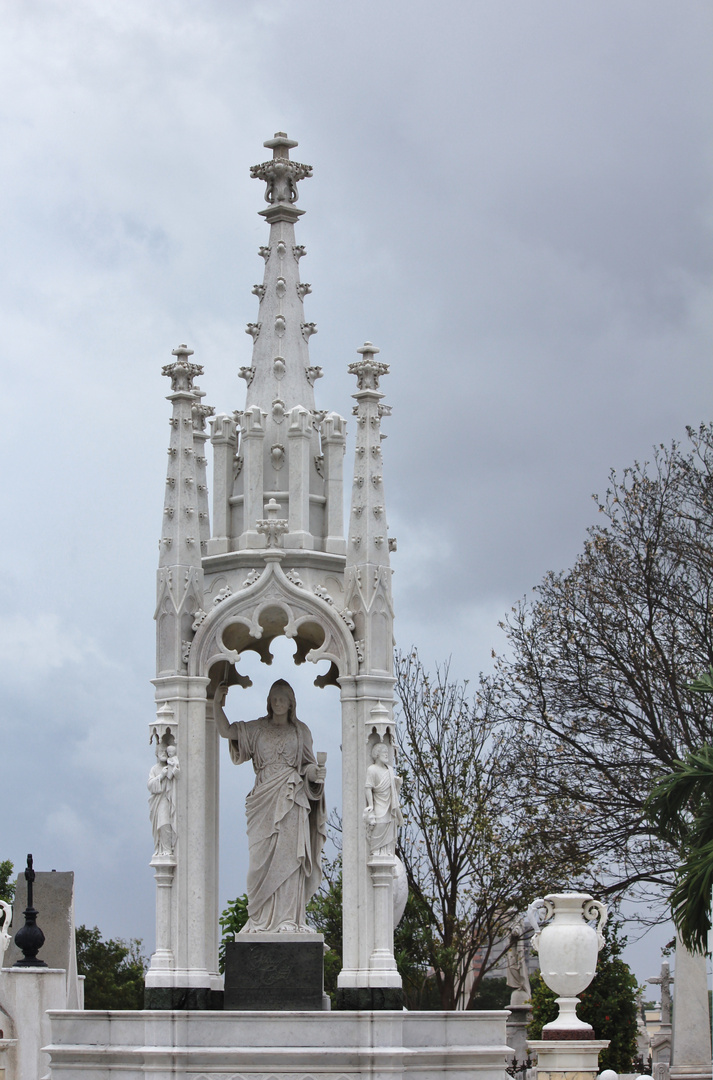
<point x="280" y="376"/>
<point x="287" y="451"/>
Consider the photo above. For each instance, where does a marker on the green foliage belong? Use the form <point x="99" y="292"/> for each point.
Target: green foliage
<point x="680" y="807"/>
<point x="412" y="949"/>
<point x="7" y="886"/>
<point x="324" y="913"/>
<point x="704" y="683"/>
<point x="324" y="910"/>
<point x="114" y="970"/>
<point x="608" y="1004"/>
<point x="231" y="922"/>
<point x="544" y="1010"/>
<point x="493" y="993"/>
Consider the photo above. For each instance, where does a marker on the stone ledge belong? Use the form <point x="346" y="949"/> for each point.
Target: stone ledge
<point x="112" y="1045"/>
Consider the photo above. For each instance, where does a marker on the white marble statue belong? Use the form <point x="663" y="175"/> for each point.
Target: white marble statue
<point x="5" y="935"/>
<point x="286" y="811"/>
<point x="383" y="812"/>
<point x="518" y="976"/>
<point x="162" y="803"/>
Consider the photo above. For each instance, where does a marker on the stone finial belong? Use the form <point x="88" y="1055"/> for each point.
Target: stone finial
<point x="182" y="372"/>
<point x="272" y="527"/>
<point x="368" y="370"/>
<point x="200" y="412"/>
<point x="280" y="175"/>
<point x="29" y="938"/>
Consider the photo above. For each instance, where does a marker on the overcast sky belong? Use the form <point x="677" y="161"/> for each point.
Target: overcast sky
<point x="511" y="198"/>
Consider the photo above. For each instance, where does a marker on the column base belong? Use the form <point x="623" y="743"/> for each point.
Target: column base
<point x="370" y="998"/>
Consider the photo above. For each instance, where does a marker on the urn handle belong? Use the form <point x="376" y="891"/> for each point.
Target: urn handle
<point x="594" y="909"/>
<point x="534" y="911"/>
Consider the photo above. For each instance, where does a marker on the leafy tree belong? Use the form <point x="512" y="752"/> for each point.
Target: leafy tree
<point x="7" y="885"/>
<point x="596" y="679"/>
<point x="477" y="848"/>
<point x="681" y="808"/>
<point x="231" y="922"/>
<point x="608" y="1004"/>
<point x="324" y="912"/>
<point x="412" y="941"/>
<point x="493" y="993"/>
<point x="114" y="970"/>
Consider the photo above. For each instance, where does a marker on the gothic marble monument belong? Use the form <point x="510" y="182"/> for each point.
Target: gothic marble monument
<point x="276" y="561"/>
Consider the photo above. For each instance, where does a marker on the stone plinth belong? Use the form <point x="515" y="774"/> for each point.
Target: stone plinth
<point x="567" y="1059"/>
<point x="26" y="994"/>
<point x="520" y="1016"/>
<point x="113" y="1045"/>
<point x="54" y="899"/>
<point x="275" y="971"/>
<point x="7" y="1058"/>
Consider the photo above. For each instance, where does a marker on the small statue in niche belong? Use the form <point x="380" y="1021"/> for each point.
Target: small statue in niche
<point x="162" y="804"/>
<point x="383" y="813"/>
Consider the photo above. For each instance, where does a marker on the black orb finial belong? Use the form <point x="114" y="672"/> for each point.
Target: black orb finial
<point x="29" y="938"/>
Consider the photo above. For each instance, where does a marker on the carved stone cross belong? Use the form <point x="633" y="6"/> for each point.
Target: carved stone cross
<point x="664" y="980"/>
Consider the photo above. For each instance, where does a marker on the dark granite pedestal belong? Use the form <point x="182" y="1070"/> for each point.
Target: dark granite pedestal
<point x="194" y="998"/>
<point x="370" y="998"/>
<point x="284" y="972"/>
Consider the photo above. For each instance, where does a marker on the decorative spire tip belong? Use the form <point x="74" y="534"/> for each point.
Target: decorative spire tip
<point x="280" y="175"/>
<point x="280" y="145"/>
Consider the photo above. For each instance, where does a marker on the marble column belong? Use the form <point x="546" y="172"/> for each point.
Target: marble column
<point x="691" y="1018"/>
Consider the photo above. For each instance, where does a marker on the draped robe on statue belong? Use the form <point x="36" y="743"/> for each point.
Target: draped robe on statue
<point x="286" y="823"/>
<point x="387" y="811"/>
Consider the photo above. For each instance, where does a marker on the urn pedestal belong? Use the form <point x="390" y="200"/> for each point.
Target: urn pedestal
<point x="567" y="1059"/>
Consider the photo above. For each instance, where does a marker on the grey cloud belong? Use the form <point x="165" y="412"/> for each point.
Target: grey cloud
<point x="512" y="200"/>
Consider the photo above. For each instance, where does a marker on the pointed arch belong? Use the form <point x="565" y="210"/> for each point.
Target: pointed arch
<point x="269" y="607"/>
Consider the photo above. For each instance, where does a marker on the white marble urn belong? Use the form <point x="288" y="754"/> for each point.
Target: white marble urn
<point x="568" y="947"/>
